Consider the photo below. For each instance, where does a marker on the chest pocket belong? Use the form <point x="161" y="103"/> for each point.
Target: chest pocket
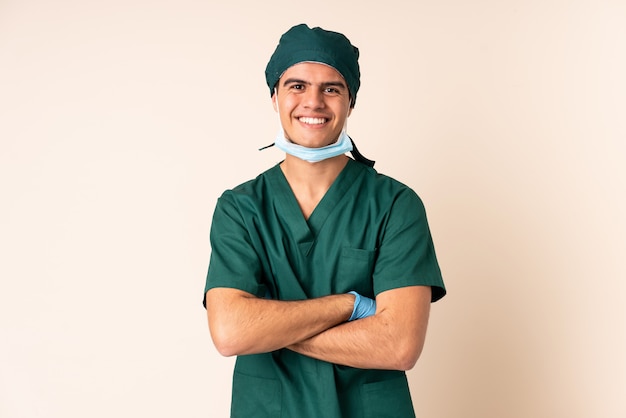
<point x="355" y="270"/>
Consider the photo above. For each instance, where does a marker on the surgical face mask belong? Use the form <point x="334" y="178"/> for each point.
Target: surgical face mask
<point x="312" y="155"/>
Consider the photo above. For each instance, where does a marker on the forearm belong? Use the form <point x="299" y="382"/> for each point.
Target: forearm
<point x="393" y="338"/>
<point x="241" y="323"/>
<point x="365" y="344"/>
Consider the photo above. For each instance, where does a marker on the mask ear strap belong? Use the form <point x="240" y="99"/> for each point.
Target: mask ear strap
<point x="279" y="123"/>
<point x="359" y="157"/>
<point x="355" y="151"/>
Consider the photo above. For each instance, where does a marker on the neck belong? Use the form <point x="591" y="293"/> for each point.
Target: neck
<point x="313" y="174"/>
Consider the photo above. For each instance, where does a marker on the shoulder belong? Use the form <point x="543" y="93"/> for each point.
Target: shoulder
<point x="235" y="207"/>
<point x="384" y="188"/>
<point x="253" y="189"/>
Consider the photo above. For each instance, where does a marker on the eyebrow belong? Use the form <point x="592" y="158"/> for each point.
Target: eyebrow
<point x="325" y="84"/>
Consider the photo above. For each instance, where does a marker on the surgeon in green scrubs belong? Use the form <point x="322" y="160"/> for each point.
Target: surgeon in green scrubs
<point x="322" y="270"/>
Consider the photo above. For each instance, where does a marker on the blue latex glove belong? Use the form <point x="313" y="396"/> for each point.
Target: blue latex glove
<point x="363" y="307"/>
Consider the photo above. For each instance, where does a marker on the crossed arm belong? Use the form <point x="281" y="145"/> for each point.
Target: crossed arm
<point x="392" y="338"/>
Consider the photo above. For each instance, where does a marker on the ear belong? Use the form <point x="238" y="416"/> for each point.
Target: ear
<point x="350" y="111"/>
<point x="274" y="104"/>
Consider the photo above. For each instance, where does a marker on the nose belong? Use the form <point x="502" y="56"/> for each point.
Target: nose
<point x="313" y="98"/>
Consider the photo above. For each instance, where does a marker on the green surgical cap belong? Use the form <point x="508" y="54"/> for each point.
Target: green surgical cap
<point x="303" y="44"/>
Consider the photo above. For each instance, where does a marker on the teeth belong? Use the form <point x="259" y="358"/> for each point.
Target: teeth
<point x="312" y="121"/>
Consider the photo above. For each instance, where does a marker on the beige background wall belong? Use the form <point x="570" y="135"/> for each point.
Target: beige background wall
<point x="121" y="122"/>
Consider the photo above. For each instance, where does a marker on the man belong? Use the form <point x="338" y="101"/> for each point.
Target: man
<point x="322" y="270"/>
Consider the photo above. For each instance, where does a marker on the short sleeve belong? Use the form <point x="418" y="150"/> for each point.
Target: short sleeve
<point x="406" y="254"/>
<point x="234" y="263"/>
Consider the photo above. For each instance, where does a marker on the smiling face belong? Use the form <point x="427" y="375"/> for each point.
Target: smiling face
<point x="313" y="103"/>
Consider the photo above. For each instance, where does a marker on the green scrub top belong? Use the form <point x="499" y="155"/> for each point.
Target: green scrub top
<point x="369" y="233"/>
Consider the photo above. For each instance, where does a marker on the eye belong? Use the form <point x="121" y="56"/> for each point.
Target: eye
<point x="297" y="87"/>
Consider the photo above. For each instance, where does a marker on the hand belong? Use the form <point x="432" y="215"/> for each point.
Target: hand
<point x="363" y="307"/>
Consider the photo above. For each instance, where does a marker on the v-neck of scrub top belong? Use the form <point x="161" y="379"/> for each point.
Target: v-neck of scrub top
<point x="305" y="231"/>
